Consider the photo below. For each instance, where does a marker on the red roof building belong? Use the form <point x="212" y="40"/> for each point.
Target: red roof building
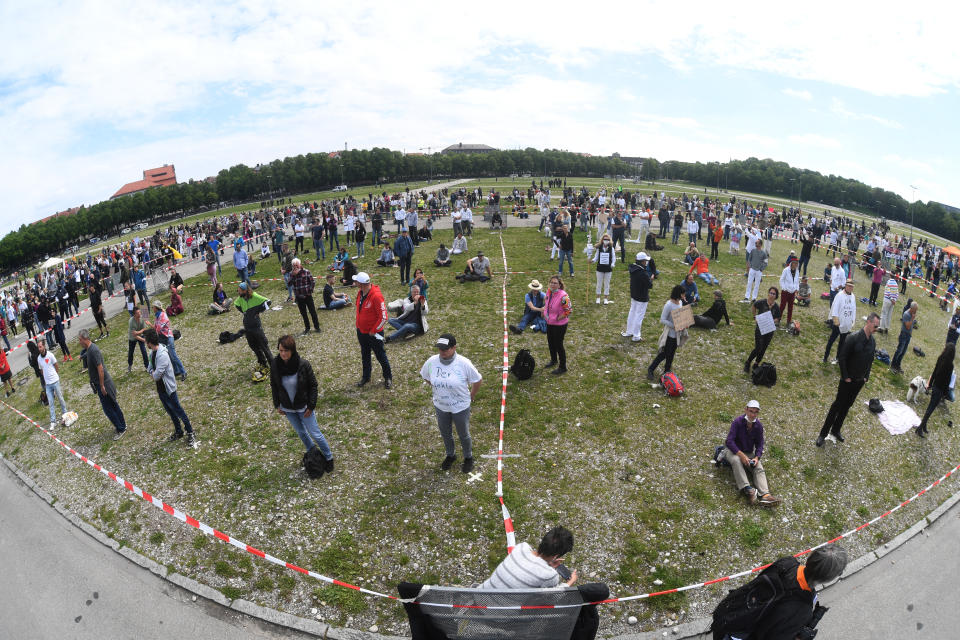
<point x="160" y="177"/>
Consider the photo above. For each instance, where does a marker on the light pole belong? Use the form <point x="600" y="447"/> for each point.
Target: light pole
<point x="912" y="200"/>
<point x="842" y="192"/>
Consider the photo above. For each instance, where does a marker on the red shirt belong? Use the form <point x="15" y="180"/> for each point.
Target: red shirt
<point x="4" y="365"/>
<point x="371" y="311"/>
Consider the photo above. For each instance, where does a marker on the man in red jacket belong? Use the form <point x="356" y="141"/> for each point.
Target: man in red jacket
<point x="371" y="318"/>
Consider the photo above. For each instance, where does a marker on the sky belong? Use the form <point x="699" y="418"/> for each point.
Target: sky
<point x="93" y="93"/>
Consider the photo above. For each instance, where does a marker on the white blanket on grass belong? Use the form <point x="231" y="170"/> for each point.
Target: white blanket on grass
<point x="897" y="417"/>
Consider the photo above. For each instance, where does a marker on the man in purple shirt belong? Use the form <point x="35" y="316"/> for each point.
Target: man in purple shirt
<point x="742" y="452"/>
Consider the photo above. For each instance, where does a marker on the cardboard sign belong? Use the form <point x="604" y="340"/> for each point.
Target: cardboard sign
<point x="682" y="317"/>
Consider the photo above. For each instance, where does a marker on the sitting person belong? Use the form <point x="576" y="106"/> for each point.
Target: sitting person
<point x="478" y="268"/>
<point x="650" y="244"/>
<point x="711" y="317"/>
<point x="745" y="439"/>
<point x="690" y="253"/>
<point x="525" y="568"/>
<point x="496" y="222"/>
<point x="691" y="295"/>
<point x="331" y="299"/>
<point x="176" y="281"/>
<point x="426" y="231"/>
<point x="412" y="322"/>
<point x="386" y="258"/>
<point x="533" y="310"/>
<point x="349" y="270"/>
<point x="176" y="302"/>
<point x="701" y="264"/>
<point x="221" y="303"/>
<point x="421" y="281"/>
<point x="443" y="257"/>
<point x="804" y="293"/>
<point x="459" y="245"/>
<point x="339" y="259"/>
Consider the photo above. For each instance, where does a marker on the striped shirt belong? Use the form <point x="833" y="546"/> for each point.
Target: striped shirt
<point x="522" y="570"/>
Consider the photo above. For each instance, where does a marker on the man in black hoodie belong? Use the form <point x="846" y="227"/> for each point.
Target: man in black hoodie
<point x="640" y="285"/>
<point x="855" y="358"/>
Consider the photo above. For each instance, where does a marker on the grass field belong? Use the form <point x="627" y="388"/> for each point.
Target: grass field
<point x="599" y="450"/>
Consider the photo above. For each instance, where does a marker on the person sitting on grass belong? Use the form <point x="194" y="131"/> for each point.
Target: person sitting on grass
<point x="331" y="299"/>
<point x="478" y="268"/>
<point x="349" y="270"/>
<point x="221" y="303"/>
<point x="690" y="253"/>
<point x="533" y="303"/>
<point x="339" y="259"/>
<point x="387" y="258"/>
<point x="745" y="439"/>
<point x="411" y="321"/>
<point x="804" y="293"/>
<point x="459" y="245"/>
<point x="176" y="302"/>
<point x="701" y="266"/>
<point x="711" y="317"/>
<point x="691" y="295"/>
<point x="443" y="257"/>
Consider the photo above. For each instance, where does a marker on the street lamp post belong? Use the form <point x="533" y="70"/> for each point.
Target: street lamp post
<point x="912" y="200"/>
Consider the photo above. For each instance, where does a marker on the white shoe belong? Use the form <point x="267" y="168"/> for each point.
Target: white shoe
<point x="833" y="362"/>
<point x="831" y="438"/>
<point x="637" y="339"/>
<point x="598" y="300"/>
<point x="605" y="301"/>
<point x="53" y="425"/>
<point x="626" y="334"/>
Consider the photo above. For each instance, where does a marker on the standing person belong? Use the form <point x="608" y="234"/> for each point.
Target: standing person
<point x="6" y="374"/>
<point x="102" y="384"/>
<point x="241" y="261"/>
<point x="303" y="285"/>
<point x="161" y="370"/>
<point x="140" y="285"/>
<point x="565" y="243"/>
<point x="938" y="384"/>
<point x="61" y="336"/>
<point x="298" y="231"/>
<point x="161" y="322"/>
<point x="251" y="305"/>
<point x="51" y="382"/>
<point x="403" y="250"/>
<point x="605" y="258"/>
<point x="891" y="293"/>
<point x="619" y="229"/>
<point x="135" y="328"/>
<point x="371" y="318"/>
<point x="906" y="332"/>
<point x="789" y="284"/>
<point x="855" y="358"/>
<point x="640" y="285"/>
<point x="746" y="439"/>
<point x="843" y="313"/>
<point x="454" y="381"/>
<point x="294" y="389"/>
<point x="669" y="346"/>
<point x="838" y="278"/>
<point x="556" y="311"/>
<point x="760" y="340"/>
<point x="316" y="233"/>
<point x="758" y="262"/>
<point x="876" y="279"/>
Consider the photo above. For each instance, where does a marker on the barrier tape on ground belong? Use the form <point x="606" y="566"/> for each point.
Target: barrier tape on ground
<point x="507" y="520"/>
<point x="70" y="319"/>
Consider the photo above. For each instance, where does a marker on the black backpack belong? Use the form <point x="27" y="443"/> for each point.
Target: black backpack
<point x="314" y="462"/>
<point x="523" y="365"/>
<point x="742" y="609"/>
<point x="765" y="374"/>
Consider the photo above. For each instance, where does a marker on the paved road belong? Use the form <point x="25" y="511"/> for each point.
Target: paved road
<point x="58" y="582"/>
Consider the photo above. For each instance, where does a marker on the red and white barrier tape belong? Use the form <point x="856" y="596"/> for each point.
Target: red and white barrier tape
<point x="507" y="520"/>
<point x="46" y="331"/>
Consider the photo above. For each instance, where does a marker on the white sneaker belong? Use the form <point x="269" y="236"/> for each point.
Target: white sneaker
<point x="831" y="438"/>
<point x="53" y="425"/>
<point x="833" y="362"/>
<point x="626" y="334"/>
<point x="607" y="301"/>
<point x="637" y="338"/>
<point x="598" y="300"/>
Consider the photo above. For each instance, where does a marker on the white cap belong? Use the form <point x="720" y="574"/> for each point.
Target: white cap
<point x="363" y="277"/>
<point x="642" y="256"/>
<point x="753" y="404"/>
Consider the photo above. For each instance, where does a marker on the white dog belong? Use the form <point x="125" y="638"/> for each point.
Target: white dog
<point x="918" y="387"/>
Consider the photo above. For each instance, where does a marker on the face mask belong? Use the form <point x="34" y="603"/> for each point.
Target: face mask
<point x="447" y="361"/>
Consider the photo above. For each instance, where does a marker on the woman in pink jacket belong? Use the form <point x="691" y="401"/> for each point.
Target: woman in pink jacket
<point x="557" y="313"/>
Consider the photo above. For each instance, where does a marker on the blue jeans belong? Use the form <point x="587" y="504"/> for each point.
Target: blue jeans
<point x="55" y="392"/>
<point x="319" y="249"/>
<point x="676" y="235"/>
<point x="113" y="412"/>
<point x="569" y="257"/>
<point x="44" y="326"/>
<point x="804" y="261"/>
<point x="709" y="278"/>
<point x="901" y="350"/>
<point x="528" y="318"/>
<point x="336" y="303"/>
<point x="243" y="275"/>
<point x="309" y="431"/>
<point x="360" y="252"/>
<point x="174" y="359"/>
<point x="171" y="403"/>
<point x="7" y="342"/>
<point x="692" y="236"/>
<point x="332" y="234"/>
<point x="402" y="328"/>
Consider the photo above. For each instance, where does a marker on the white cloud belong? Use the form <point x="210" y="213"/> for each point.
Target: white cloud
<point x="814" y="140"/>
<point x="798" y="93"/>
<point x="908" y="163"/>
<point x="839" y="108"/>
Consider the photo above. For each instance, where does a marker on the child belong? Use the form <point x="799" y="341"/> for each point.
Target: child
<point x="735" y="235"/>
<point x="803" y="292"/>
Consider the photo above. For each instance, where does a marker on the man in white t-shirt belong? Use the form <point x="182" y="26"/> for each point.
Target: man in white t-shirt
<point x="467" y="221"/>
<point x="51" y="382"/>
<point x="455" y="382"/>
<point x="525" y="568"/>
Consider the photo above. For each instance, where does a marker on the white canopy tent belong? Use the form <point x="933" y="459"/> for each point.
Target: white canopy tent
<point x="50" y="263"/>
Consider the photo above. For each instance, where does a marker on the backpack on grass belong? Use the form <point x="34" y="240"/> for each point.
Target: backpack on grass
<point x="523" y="365"/>
<point x="314" y="462"/>
<point x="671" y="384"/>
<point x="765" y="374"/>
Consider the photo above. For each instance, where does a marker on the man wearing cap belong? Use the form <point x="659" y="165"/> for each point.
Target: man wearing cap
<point x="789" y="283"/>
<point x="533" y="309"/>
<point x="855" y="358"/>
<point x="478" y="268"/>
<point x="371" y="318"/>
<point x="640" y="285"/>
<point x="742" y="451"/>
<point x="403" y="250"/>
<point x="843" y="312"/>
<point x="251" y="305"/>
<point x="455" y="381"/>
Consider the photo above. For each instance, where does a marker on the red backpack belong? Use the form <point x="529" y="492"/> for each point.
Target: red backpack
<point x="671" y="384"/>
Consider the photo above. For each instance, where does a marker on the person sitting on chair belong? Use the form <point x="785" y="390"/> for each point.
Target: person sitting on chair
<point x="525" y="568"/>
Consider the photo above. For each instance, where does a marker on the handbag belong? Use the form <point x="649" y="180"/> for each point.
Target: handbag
<point x="43" y="398"/>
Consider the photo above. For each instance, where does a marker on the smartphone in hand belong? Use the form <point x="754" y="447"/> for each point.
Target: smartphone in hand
<point x="563" y="571"/>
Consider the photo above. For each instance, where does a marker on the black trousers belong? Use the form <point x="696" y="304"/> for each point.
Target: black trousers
<point x="936" y="395"/>
<point x="370" y="343"/>
<point x="618" y="236"/>
<point x="846" y="394"/>
<point x="667" y="353"/>
<point x="404" y="262"/>
<point x="555" y="334"/>
<point x="834" y="334"/>
<point x="131" y="345"/>
<point x="874" y="290"/>
<point x="298" y="244"/>
<point x="760" y="344"/>
<point x="257" y="341"/>
<point x="307" y="303"/>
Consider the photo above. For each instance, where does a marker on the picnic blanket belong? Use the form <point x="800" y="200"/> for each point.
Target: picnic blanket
<point x="897" y="417"/>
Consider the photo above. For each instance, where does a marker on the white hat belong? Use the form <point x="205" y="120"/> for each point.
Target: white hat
<point x="363" y="277"/>
<point x="753" y="404"/>
<point x="642" y="256"/>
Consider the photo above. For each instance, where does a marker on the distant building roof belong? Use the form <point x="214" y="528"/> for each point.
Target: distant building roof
<point x="159" y="177"/>
<point x="67" y="212"/>
<point x="468" y="148"/>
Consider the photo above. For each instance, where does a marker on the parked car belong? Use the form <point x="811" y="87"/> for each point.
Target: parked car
<point x="341" y="187"/>
<point x="94" y="240"/>
<point x="125" y="231"/>
<point x="140" y="226"/>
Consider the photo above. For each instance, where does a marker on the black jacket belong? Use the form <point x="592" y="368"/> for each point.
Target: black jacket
<point x="717" y="311"/>
<point x="306" y="396"/>
<point x="942" y="372"/>
<point x="566" y="242"/>
<point x="639" y="283"/>
<point x="856" y="356"/>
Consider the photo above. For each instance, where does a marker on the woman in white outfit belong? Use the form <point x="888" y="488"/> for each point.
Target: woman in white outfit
<point x="604" y="257"/>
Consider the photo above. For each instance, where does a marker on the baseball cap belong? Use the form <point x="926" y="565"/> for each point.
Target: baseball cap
<point x="642" y="256"/>
<point x="363" y="277"/>
<point x="243" y="286"/>
<point x="753" y="404"/>
<point x="446" y="340"/>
